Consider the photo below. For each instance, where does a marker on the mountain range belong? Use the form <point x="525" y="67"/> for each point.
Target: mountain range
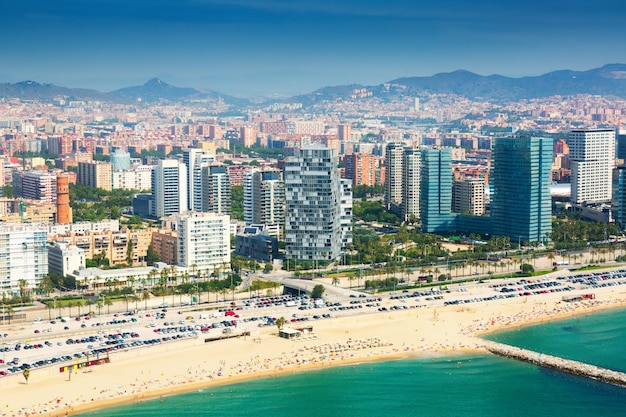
<point x="609" y="80"/>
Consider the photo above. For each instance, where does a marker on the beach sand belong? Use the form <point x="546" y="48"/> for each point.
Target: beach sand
<point x="167" y="369"/>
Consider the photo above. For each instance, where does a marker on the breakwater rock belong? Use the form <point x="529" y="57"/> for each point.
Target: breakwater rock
<point x="554" y="362"/>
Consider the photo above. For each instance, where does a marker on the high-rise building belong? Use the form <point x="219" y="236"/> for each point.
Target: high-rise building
<point x="264" y="200"/>
<point x="468" y="196"/>
<point x="120" y="160"/>
<point x="344" y="132"/>
<point x="520" y="182"/>
<point x="138" y="178"/>
<point x="362" y="169"/>
<point x="215" y="189"/>
<point x="195" y="159"/>
<point x="618" y="202"/>
<point x="393" y="181"/>
<point x="345" y="201"/>
<point x="621" y="145"/>
<point x="40" y="186"/>
<point x="169" y="188"/>
<point x="436" y="190"/>
<point x="96" y="174"/>
<point x="402" y="180"/>
<point x="313" y="195"/>
<point x="410" y="184"/>
<point x="203" y="240"/>
<point x="247" y="136"/>
<point x="23" y="255"/>
<point x="592" y="156"/>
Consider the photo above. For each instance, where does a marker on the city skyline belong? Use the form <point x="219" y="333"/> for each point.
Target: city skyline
<point x="272" y="46"/>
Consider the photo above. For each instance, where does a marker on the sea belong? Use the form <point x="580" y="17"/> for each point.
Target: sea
<point x="472" y="385"/>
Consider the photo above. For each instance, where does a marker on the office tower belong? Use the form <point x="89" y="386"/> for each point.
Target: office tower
<point x="393" y="182"/>
<point x="96" y="174"/>
<point x="313" y="193"/>
<point x="468" y="196"/>
<point x="621" y="145"/>
<point x="520" y="181"/>
<point x="40" y="186"/>
<point x="264" y="200"/>
<point x="410" y="185"/>
<point x="169" y="188"/>
<point x="362" y="169"/>
<point x="23" y="255"/>
<point x="618" y="202"/>
<point x="215" y="189"/>
<point x="436" y="190"/>
<point x="195" y="159"/>
<point x="64" y="211"/>
<point x="203" y="240"/>
<point x="120" y="160"/>
<point x="592" y="156"/>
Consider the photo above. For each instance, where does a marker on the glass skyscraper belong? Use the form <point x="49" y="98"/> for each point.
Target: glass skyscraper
<point x="436" y="191"/>
<point x="520" y="188"/>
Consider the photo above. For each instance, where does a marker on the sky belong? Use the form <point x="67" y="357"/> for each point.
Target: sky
<point x="287" y="47"/>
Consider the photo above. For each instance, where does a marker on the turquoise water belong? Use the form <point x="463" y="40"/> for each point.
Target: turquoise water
<point x="463" y="386"/>
<point x="598" y="339"/>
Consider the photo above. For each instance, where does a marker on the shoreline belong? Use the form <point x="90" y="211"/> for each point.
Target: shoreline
<point x="154" y="372"/>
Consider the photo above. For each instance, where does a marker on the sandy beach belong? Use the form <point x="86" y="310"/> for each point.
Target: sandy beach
<point x="167" y="369"/>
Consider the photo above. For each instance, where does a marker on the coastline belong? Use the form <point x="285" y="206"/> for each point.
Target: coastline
<point x="171" y="369"/>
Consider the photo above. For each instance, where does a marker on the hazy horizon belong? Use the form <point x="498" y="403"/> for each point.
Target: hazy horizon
<point x="260" y="47"/>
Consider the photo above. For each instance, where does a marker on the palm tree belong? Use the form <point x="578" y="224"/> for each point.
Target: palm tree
<point x="145" y="296"/>
<point x="108" y="303"/>
<point x="335" y="281"/>
<point x="131" y="280"/>
<point x="70" y="304"/>
<point x="135" y="299"/>
<point x="23" y="285"/>
<point x="152" y="275"/>
<point x="280" y="322"/>
<point x="8" y="312"/>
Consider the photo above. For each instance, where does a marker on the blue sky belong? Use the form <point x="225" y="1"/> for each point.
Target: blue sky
<point x="296" y="46"/>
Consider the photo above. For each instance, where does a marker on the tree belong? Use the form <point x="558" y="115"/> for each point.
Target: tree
<point x="108" y="303"/>
<point x="145" y="296"/>
<point x="335" y="281"/>
<point x="318" y="291"/>
<point x="7" y="191"/>
<point x="152" y="256"/>
<point x="280" y="323"/>
<point x="26" y="374"/>
<point x="527" y="269"/>
<point x="23" y="285"/>
<point x="129" y="252"/>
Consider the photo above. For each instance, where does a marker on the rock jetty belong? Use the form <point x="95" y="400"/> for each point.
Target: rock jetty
<point x="553" y="362"/>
